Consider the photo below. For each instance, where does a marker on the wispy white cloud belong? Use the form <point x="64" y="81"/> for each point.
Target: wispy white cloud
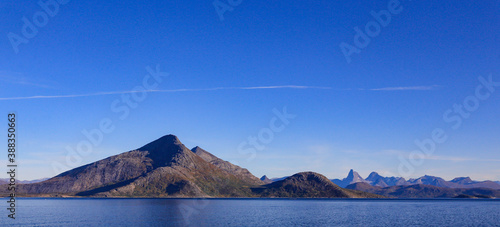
<point x="213" y="89"/>
<point x="410" y="88"/>
<point x="281" y="86"/>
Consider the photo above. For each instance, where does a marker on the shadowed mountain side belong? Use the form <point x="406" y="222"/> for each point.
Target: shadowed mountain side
<point x="241" y="173"/>
<point x="279" y="178"/>
<point x="266" y="180"/>
<point x="111" y="170"/>
<point x="309" y="185"/>
<point x="424" y="191"/>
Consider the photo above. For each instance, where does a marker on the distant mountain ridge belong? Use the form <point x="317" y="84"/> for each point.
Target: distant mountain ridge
<point x="425" y="191"/>
<point x="374" y="179"/>
<point x="6" y="180"/>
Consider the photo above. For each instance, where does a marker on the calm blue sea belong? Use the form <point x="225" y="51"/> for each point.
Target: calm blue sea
<point x="252" y="212"/>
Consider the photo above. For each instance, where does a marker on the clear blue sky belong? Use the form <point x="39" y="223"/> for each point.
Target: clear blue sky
<point x="361" y="115"/>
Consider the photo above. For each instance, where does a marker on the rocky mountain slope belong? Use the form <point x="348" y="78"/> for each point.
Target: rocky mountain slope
<point x="243" y="173"/>
<point x="164" y="167"/>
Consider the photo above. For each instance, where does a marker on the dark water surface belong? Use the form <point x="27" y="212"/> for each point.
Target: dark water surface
<point x="252" y="212"/>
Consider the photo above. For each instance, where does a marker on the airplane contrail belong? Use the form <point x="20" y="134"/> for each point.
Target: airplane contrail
<point x="414" y="88"/>
<point x="162" y="91"/>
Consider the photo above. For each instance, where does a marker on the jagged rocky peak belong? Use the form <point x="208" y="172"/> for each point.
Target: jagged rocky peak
<point x="374" y="176"/>
<point x="207" y="156"/>
<point x="354" y="176"/>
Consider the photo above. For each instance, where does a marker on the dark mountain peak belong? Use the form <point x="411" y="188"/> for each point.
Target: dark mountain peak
<point x="309" y="176"/>
<point x="266" y="180"/>
<point x="168" y="139"/>
<point x="162" y="143"/>
<point x="197" y="148"/>
<point x="167" y="149"/>
<point x="207" y="156"/>
<point x="374" y="176"/>
<point x="462" y="180"/>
